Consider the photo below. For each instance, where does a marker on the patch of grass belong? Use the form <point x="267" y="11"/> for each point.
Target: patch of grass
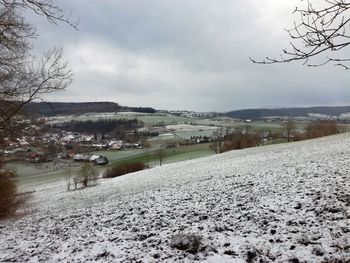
<point x="170" y="155"/>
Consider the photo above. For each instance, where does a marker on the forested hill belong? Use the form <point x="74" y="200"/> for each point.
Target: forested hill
<point x="255" y="114"/>
<point x="65" y="108"/>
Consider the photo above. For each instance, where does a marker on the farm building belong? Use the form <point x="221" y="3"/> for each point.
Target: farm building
<point x="101" y="160"/>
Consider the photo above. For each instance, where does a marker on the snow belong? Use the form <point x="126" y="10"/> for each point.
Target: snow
<point x="279" y="203"/>
<point x="345" y="116"/>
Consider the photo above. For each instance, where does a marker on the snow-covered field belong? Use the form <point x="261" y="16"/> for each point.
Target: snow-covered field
<point x="281" y="203"/>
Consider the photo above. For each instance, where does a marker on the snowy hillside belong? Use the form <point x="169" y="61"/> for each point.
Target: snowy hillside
<point x="282" y="203"/>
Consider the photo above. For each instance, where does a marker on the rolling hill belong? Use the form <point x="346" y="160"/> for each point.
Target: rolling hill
<point x="256" y="114"/>
<point x="280" y="203"/>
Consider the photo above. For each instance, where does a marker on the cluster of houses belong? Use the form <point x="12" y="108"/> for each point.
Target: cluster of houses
<point x="40" y="154"/>
<point x="193" y="114"/>
<point x="95" y="141"/>
<point x="50" y="146"/>
<point x="200" y="139"/>
<point x="92" y="158"/>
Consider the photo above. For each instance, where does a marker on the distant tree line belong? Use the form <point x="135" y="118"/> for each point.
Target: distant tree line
<point x="70" y="108"/>
<point x="99" y="126"/>
<point x="141" y="109"/>
<point x="148" y="133"/>
<point x="319" y="129"/>
<point x="234" y="141"/>
<point x="258" y="114"/>
<point x="243" y="138"/>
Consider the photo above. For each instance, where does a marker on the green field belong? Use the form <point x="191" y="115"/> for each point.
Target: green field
<point x="182" y="153"/>
<point x="30" y="175"/>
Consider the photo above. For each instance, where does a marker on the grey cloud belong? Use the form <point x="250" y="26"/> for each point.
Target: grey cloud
<point x="187" y="54"/>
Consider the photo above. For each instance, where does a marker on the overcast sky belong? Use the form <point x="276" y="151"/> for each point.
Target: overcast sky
<point x="181" y="54"/>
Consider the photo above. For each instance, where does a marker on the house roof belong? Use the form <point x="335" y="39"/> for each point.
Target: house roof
<point x="101" y="160"/>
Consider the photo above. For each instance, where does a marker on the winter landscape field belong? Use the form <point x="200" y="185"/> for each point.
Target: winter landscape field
<point x="279" y="203"/>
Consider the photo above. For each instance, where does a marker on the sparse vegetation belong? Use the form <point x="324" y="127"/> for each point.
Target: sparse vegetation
<point x="216" y="146"/>
<point x="237" y="141"/>
<point x="121" y="169"/>
<point x="289" y="128"/>
<point x="160" y="154"/>
<point x="87" y="177"/>
<point x="68" y="176"/>
<point x="10" y="199"/>
<point x="8" y="191"/>
<point x="321" y="128"/>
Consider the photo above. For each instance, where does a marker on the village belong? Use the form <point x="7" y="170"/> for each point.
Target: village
<point x="66" y="145"/>
<point x="103" y="140"/>
<point x="38" y="146"/>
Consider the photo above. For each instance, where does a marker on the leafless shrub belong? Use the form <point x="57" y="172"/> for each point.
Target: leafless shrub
<point x="8" y="190"/>
<point x="237" y="141"/>
<point x="321" y="128"/>
<point x="87" y="177"/>
<point x="299" y="136"/>
<point x="289" y="128"/>
<point x="121" y="169"/>
<point x="68" y="176"/>
<point x="160" y="154"/>
<point x="10" y="199"/>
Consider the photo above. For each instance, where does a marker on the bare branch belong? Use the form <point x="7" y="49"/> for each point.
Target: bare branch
<point x="319" y="31"/>
<point x="47" y="8"/>
<point x="23" y="78"/>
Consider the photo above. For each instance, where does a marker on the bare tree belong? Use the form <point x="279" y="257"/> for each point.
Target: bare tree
<point x="160" y="154"/>
<point x="321" y="30"/>
<point x="289" y="127"/>
<point x="87" y="176"/>
<point x="24" y="77"/>
<point x="68" y="176"/>
<point x="217" y="139"/>
<point x="8" y="193"/>
<point x="146" y="146"/>
<point x="47" y="8"/>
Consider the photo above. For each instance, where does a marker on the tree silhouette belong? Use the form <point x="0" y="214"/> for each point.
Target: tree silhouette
<point x="24" y="77"/>
<point x="318" y="37"/>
